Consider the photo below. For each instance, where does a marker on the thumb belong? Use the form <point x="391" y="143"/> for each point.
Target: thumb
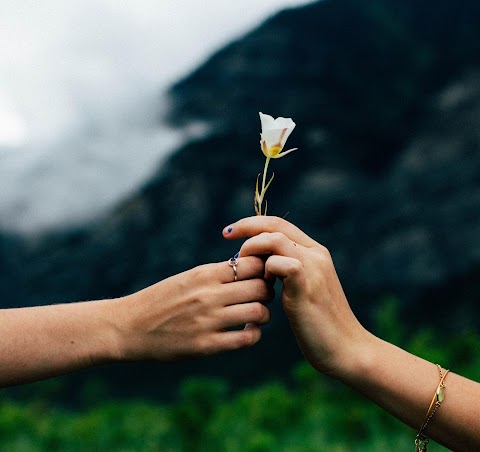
<point x="290" y="271"/>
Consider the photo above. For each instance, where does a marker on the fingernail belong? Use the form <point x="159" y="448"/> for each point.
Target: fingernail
<point x="236" y="255"/>
<point x="229" y="229"/>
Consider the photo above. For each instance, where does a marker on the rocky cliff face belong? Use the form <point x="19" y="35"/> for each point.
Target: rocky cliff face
<point x="386" y="95"/>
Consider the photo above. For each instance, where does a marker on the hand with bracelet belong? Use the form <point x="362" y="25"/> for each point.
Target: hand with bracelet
<point x="189" y="315"/>
<point x="441" y="406"/>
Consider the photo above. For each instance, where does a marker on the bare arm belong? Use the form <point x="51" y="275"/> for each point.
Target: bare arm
<point x="335" y="343"/>
<point x="188" y="315"/>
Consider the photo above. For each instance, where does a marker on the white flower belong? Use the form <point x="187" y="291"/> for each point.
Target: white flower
<point x="275" y="133"/>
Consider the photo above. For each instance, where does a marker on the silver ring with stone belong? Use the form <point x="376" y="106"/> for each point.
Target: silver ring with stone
<point x="233" y="262"/>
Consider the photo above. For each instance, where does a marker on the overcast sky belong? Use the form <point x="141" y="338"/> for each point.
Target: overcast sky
<point x="80" y="84"/>
<point x="60" y="58"/>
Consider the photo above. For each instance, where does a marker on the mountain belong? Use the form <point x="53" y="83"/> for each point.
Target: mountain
<point x="386" y="97"/>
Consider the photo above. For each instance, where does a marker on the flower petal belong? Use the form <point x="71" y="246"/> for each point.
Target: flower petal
<point x="284" y="123"/>
<point x="267" y="121"/>
<point x="271" y="137"/>
<point x="274" y="138"/>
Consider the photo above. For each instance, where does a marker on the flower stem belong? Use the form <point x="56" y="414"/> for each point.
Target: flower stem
<point x="264" y="188"/>
<point x="267" y="161"/>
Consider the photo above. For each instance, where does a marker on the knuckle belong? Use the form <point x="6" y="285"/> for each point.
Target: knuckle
<point x="277" y="237"/>
<point x="295" y="267"/>
<point x="260" y="289"/>
<point x="257" y="311"/>
<point x="264" y="235"/>
<point x="265" y="314"/>
<point x="323" y="251"/>
<point x="323" y="257"/>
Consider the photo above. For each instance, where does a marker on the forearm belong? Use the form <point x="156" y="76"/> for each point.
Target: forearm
<point x="336" y="344"/>
<point x="404" y="385"/>
<point x="187" y="315"/>
<point x="40" y="342"/>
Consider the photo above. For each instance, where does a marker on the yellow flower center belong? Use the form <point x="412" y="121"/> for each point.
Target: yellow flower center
<point x="274" y="150"/>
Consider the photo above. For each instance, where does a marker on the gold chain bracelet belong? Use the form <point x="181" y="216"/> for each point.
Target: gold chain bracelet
<point x="422" y="440"/>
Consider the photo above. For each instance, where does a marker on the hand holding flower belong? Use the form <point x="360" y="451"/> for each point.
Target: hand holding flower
<point x="326" y="329"/>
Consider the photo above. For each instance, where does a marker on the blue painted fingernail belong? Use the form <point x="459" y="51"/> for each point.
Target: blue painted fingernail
<point x="236" y="255"/>
<point x="230" y="229"/>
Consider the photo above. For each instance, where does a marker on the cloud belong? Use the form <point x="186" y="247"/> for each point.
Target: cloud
<point x="76" y="75"/>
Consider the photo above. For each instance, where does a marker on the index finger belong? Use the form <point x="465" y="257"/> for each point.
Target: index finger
<point x="251" y="226"/>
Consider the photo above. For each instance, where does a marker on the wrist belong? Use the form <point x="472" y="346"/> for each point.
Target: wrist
<point x="358" y="360"/>
<point x="128" y="322"/>
<point x="110" y="343"/>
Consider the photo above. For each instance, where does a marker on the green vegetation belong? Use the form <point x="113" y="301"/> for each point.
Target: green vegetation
<point x="308" y="413"/>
